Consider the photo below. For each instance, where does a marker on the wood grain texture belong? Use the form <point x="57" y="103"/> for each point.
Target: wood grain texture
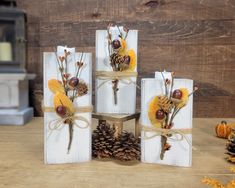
<point x="21" y="163"/>
<point x="196" y="39"/>
<point x="138" y="10"/>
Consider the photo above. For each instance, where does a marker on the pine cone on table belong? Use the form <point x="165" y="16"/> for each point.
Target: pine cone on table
<point x="127" y="147"/>
<point x="102" y="141"/>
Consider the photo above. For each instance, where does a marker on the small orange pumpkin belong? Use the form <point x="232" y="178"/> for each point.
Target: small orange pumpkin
<point x="223" y="129"/>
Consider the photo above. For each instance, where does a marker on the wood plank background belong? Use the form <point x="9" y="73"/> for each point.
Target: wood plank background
<point x="194" y="38"/>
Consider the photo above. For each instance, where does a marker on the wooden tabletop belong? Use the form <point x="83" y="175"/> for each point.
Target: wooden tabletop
<point x="21" y="163"/>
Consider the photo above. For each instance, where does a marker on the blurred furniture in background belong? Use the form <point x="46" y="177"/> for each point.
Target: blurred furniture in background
<point x="14" y="104"/>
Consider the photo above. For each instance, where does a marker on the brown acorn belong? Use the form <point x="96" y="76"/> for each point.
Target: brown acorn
<point x="73" y="82"/>
<point x="177" y="94"/>
<point x="116" y="44"/>
<point x="160" y="114"/>
<point x="61" y="111"/>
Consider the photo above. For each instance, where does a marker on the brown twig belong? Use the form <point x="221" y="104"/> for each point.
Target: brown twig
<point x="163" y="143"/>
<point x="115" y="89"/>
<point x="165" y="84"/>
<point x="70" y="135"/>
<point x="61" y="71"/>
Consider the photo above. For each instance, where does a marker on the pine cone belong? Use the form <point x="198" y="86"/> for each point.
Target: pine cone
<point x="165" y="103"/>
<point x="230" y="146"/>
<point x="127" y="147"/>
<point x="116" y="61"/>
<point x="82" y="89"/>
<point x="102" y="141"/>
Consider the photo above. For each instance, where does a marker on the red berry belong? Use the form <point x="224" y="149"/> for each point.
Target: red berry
<point x="160" y="114"/>
<point x="73" y="82"/>
<point x="116" y="44"/>
<point x="61" y="110"/>
<point x="177" y="94"/>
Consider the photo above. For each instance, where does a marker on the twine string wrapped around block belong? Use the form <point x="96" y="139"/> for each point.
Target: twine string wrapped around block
<point x="115" y="77"/>
<point x="107" y="76"/>
<point x="167" y="133"/>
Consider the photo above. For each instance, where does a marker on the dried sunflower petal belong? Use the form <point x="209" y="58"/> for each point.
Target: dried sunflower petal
<point x="132" y="55"/>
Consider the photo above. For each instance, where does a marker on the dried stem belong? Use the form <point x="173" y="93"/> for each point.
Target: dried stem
<point x="126" y="34"/>
<point x="79" y="67"/>
<point x="172" y="85"/>
<point x="115" y="89"/>
<point x="163" y="143"/>
<point x="61" y="71"/>
<point x="70" y="135"/>
<point x="165" y="84"/>
<point x="78" y="70"/>
<point x="119" y="32"/>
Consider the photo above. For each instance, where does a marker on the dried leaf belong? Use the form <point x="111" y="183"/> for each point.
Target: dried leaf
<point x="62" y="99"/>
<point x="55" y="86"/>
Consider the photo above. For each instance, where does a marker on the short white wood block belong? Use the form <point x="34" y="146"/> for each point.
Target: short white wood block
<point x="126" y="96"/>
<point x="55" y="145"/>
<point x="180" y="153"/>
<point x="14" y="97"/>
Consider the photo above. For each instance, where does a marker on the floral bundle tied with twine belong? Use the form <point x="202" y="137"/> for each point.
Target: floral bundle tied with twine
<point x="65" y="92"/>
<point x="121" y="59"/>
<point x="162" y="111"/>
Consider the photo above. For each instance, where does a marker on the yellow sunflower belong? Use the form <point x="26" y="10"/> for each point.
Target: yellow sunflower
<point x="182" y="99"/>
<point x="55" y="86"/>
<point x="153" y="110"/>
<point x="132" y="64"/>
<point x="62" y="99"/>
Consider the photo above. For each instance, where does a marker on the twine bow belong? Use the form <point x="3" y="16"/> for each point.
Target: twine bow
<point x="58" y="124"/>
<point x="123" y="76"/>
<point x="167" y="133"/>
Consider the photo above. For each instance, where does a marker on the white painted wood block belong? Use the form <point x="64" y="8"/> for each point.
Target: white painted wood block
<point x="55" y="145"/>
<point x="180" y="153"/>
<point x="126" y="96"/>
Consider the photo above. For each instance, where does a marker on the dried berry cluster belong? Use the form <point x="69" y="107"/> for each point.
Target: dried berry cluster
<point x="104" y="145"/>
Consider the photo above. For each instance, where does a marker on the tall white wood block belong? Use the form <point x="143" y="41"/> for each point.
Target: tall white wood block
<point x="126" y="96"/>
<point x="56" y="142"/>
<point x="14" y="105"/>
<point x="180" y="153"/>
